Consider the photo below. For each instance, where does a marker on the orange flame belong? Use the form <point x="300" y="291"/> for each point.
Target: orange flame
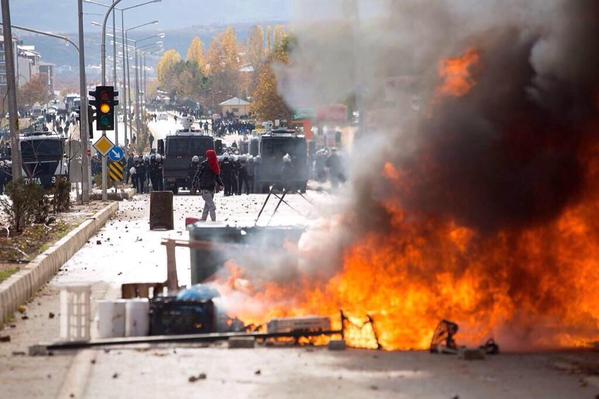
<point x="457" y="74"/>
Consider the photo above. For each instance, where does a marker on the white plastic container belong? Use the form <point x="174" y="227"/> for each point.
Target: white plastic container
<point x="137" y="320"/>
<point x="110" y="318"/>
<point x="75" y="312"/>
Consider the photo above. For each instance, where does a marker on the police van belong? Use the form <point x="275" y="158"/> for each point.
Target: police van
<point x="179" y="149"/>
<point x="273" y="147"/>
<point x="43" y="157"/>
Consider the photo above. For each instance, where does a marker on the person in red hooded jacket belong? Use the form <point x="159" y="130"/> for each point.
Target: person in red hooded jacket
<point x="209" y="183"/>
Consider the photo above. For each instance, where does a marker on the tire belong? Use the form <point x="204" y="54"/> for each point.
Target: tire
<point x="175" y="190"/>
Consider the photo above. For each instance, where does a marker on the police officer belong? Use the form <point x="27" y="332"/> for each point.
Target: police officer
<point x="227" y="174"/>
<point x="242" y="178"/>
<point x="235" y="177"/>
<point x="141" y="174"/>
<point x="250" y="171"/>
<point x="159" y="170"/>
<point x="146" y="175"/>
<point x="153" y="171"/>
<point x="193" y="173"/>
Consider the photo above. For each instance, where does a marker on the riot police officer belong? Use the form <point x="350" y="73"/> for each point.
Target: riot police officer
<point x="159" y="170"/>
<point x="193" y="172"/>
<point x="227" y="175"/>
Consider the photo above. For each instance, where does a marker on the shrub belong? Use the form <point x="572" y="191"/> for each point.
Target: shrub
<point x="27" y="204"/>
<point x="61" y="195"/>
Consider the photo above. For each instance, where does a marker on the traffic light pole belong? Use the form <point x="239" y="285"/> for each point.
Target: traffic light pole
<point x="103" y="60"/>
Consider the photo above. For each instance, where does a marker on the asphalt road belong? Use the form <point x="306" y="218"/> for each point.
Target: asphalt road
<point x="126" y="251"/>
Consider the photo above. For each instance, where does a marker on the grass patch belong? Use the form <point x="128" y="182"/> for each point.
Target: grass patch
<point x="4" y="274"/>
<point x="34" y="240"/>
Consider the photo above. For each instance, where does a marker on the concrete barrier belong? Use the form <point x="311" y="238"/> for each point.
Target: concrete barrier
<point x="23" y="285"/>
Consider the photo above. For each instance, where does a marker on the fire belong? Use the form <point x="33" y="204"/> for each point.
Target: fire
<point x="457" y="74"/>
<point x="529" y="287"/>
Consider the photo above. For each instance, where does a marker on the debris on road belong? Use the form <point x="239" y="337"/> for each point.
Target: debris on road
<point x="471" y="354"/>
<point x="258" y="372"/>
<point x="242" y="342"/>
<point x="4" y="338"/>
<point x="22" y="309"/>
<point x="337" y="345"/>
<point x="443" y="339"/>
<point x="201" y="376"/>
<point x="51" y="315"/>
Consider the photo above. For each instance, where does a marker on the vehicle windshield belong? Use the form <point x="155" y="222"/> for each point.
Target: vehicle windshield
<point x="41" y="149"/>
<point x="277" y="147"/>
<point x="189" y="146"/>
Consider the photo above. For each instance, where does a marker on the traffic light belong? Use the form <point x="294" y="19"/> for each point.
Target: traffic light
<point x="104" y="103"/>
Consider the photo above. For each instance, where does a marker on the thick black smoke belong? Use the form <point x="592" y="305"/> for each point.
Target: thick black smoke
<point x="508" y="154"/>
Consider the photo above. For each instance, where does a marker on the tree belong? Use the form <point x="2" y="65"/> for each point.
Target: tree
<point x="196" y="54"/>
<point x="279" y="35"/>
<point x="166" y="64"/>
<point x="255" y="47"/>
<point x="34" y="91"/>
<point x="268" y="104"/>
<point x="223" y="64"/>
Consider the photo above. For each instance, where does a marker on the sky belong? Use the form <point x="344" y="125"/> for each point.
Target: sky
<point x="61" y="15"/>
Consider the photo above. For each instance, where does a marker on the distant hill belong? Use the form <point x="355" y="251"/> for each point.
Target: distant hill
<point x="61" y="15"/>
<point x="65" y="58"/>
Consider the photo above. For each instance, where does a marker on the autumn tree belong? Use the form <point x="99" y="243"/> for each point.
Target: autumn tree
<point x="279" y="35"/>
<point x="196" y="54"/>
<point x="255" y="47"/>
<point x="34" y="91"/>
<point x="223" y="64"/>
<point x="166" y="65"/>
<point x="268" y="104"/>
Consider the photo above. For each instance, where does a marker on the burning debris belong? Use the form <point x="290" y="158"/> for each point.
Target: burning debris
<point x="478" y="203"/>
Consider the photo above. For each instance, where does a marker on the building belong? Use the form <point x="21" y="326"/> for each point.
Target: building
<point x="27" y="66"/>
<point x="47" y="73"/>
<point x="235" y="106"/>
<point x="3" y="87"/>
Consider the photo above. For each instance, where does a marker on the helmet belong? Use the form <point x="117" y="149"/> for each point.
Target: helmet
<point x="153" y="157"/>
<point x="146" y="158"/>
<point x="195" y="159"/>
<point x="287" y="158"/>
<point x="226" y="156"/>
<point x="158" y="157"/>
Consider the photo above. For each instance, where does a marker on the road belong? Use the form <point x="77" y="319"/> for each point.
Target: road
<point x="126" y="251"/>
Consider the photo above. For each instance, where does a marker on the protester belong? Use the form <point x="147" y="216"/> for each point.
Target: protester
<point x="209" y="182"/>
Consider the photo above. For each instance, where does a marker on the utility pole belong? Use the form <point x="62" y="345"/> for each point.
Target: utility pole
<point x="11" y="91"/>
<point x="83" y="111"/>
<point x="137" y="108"/>
<point x="114" y="76"/>
<point x="124" y="78"/>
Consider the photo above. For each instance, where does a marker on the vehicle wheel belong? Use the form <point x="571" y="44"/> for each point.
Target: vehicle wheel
<point x="304" y="187"/>
<point x="175" y="190"/>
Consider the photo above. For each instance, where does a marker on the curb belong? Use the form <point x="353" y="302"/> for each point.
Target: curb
<point x="23" y="285"/>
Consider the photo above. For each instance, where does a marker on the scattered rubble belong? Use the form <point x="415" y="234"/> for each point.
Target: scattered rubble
<point x="201" y="376"/>
<point x="4" y="338"/>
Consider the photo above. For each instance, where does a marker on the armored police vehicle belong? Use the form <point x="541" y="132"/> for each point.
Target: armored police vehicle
<point x="272" y="169"/>
<point x="179" y="149"/>
<point x="43" y="157"/>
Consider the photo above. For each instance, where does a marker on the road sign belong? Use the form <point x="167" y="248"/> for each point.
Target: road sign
<point x="116" y="171"/>
<point x="116" y="154"/>
<point x="104" y="145"/>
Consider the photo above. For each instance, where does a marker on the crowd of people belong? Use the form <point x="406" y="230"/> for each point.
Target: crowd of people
<point x="238" y="173"/>
<point x="226" y="126"/>
<point x="145" y="173"/>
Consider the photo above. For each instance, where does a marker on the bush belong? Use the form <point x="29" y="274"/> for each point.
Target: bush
<point x="28" y="204"/>
<point x="61" y="195"/>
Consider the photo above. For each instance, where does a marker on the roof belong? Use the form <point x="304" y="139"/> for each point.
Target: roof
<point x="234" y="101"/>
